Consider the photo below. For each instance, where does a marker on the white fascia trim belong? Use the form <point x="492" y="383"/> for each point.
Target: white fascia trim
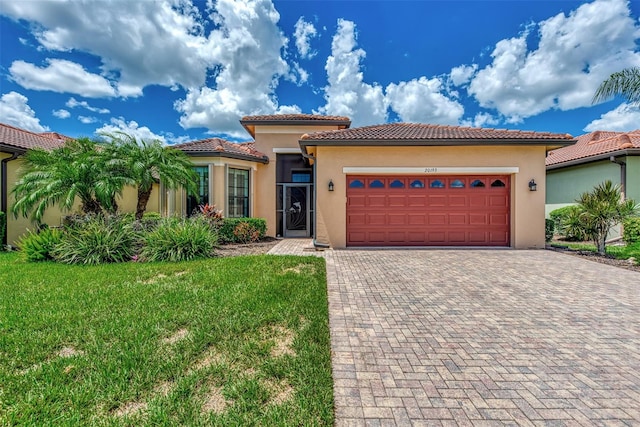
<point x="292" y="150"/>
<point x="430" y="170"/>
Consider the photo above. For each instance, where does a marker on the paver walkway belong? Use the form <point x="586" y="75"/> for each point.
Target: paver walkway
<point x="482" y="337"/>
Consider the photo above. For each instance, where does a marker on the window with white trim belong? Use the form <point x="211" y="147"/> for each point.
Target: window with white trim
<point x="238" y="193"/>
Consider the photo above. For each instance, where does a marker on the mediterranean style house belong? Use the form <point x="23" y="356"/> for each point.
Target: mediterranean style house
<point x="397" y="184"/>
<point x="596" y="157"/>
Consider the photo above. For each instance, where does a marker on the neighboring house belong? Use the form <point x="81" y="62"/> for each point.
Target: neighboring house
<point x="13" y="143"/>
<point x="396" y="184"/>
<point x="596" y="157"/>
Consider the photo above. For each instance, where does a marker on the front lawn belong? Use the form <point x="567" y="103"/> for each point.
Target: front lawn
<point x="231" y="341"/>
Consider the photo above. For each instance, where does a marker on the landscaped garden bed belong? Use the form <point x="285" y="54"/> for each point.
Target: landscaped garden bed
<point x="226" y="341"/>
<point x="623" y="256"/>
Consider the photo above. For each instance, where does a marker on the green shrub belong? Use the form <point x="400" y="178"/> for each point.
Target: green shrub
<point x="179" y="239"/>
<point x="40" y="245"/>
<point x="97" y="240"/>
<point x="152" y="216"/>
<point x="549" y="227"/>
<point x="567" y="222"/>
<point x="242" y="230"/>
<point x="631" y="230"/>
<point x="3" y="229"/>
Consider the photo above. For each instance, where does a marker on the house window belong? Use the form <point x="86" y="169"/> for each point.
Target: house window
<point x="301" y="176"/>
<point x="202" y="188"/>
<point x="238" y="205"/>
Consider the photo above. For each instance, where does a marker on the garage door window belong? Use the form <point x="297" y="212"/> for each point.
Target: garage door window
<point x="436" y="183"/>
<point x="497" y="183"/>
<point x="376" y="183"/>
<point x="456" y="183"/>
<point x="477" y="183"/>
<point x="418" y="183"/>
<point x="356" y="183"/>
<point x="396" y="184"/>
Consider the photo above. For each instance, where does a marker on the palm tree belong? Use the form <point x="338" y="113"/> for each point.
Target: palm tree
<point x="59" y="176"/>
<point x="142" y="163"/>
<point x="625" y="82"/>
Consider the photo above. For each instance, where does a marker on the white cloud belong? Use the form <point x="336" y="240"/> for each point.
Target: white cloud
<point x="421" y="100"/>
<point x="87" y="119"/>
<point x="304" y="32"/>
<point x="574" y="54"/>
<point x="247" y="48"/>
<point x="131" y="128"/>
<point x="462" y="74"/>
<point x="623" y="118"/>
<point x="73" y="103"/>
<point x="139" y="42"/>
<point x="347" y="94"/>
<point x="60" y="76"/>
<point x="61" y="114"/>
<point x="15" y="111"/>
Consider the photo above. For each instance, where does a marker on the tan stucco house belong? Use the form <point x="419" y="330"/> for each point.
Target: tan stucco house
<point x="397" y="184"/>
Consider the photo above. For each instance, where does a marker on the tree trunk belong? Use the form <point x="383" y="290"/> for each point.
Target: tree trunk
<point x="91" y="206"/>
<point x="143" y="198"/>
<point x="601" y="243"/>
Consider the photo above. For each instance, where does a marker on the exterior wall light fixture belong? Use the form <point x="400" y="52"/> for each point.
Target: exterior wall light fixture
<point x="330" y="185"/>
<point x="532" y="185"/>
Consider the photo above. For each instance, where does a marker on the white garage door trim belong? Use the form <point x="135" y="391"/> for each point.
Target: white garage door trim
<point x="429" y="170"/>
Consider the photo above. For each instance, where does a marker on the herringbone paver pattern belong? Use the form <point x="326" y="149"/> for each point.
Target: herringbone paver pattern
<point x="482" y="338"/>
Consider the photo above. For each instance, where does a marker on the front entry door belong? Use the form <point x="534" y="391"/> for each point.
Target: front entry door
<point x="296" y="210"/>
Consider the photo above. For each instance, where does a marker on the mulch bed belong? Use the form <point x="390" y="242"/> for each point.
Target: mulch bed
<point x="593" y="256"/>
<point x="257" y="248"/>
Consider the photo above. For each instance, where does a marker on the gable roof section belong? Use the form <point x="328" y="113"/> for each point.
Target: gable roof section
<point x="250" y="122"/>
<point x="402" y="134"/>
<point x="16" y="140"/>
<point x="595" y="146"/>
<point x="218" y="147"/>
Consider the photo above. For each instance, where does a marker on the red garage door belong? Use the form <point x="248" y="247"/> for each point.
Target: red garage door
<point x="428" y="211"/>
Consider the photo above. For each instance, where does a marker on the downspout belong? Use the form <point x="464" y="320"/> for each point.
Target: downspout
<point x="623" y="175"/>
<point x="4" y="192"/>
<point x="315" y="200"/>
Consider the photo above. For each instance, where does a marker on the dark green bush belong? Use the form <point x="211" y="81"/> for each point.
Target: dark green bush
<point x="242" y="230"/>
<point x="97" y="240"/>
<point x="179" y="239"/>
<point x="631" y="230"/>
<point x="3" y="229"/>
<point x="567" y="222"/>
<point x="39" y="246"/>
<point x="549" y="227"/>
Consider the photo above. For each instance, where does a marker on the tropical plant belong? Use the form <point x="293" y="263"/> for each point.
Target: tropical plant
<point x="59" y="176"/>
<point x="179" y="239"/>
<point x="142" y="163"/>
<point x="631" y="230"/>
<point x="98" y="240"/>
<point x="39" y="246"/>
<point x="601" y="209"/>
<point x="625" y="83"/>
<point x="242" y="230"/>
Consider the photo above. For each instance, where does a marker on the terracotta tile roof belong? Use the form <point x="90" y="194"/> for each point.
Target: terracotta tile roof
<point x="13" y="138"/>
<point x="222" y="148"/>
<point x="417" y="132"/>
<point x="594" y="144"/>
<point x="294" y="118"/>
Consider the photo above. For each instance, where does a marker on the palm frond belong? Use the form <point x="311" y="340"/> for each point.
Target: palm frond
<point x="625" y="83"/>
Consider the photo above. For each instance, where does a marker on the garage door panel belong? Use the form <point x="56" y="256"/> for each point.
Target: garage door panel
<point x="376" y="219"/>
<point x="376" y="201"/>
<point x="397" y="219"/>
<point x="458" y="211"/>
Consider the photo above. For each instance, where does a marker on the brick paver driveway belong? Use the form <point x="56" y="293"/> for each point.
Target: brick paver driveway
<point x="468" y="337"/>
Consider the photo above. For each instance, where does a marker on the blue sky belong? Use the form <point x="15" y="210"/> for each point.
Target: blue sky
<point x="182" y="70"/>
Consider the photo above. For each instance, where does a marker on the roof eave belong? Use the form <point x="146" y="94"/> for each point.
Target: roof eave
<point x="435" y="142"/>
<point x="250" y="125"/>
<point x="597" y="158"/>
<point x="263" y="160"/>
<point x="6" y="148"/>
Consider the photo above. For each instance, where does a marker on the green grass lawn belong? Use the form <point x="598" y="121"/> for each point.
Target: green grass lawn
<point x="620" y="252"/>
<point x="229" y="341"/>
